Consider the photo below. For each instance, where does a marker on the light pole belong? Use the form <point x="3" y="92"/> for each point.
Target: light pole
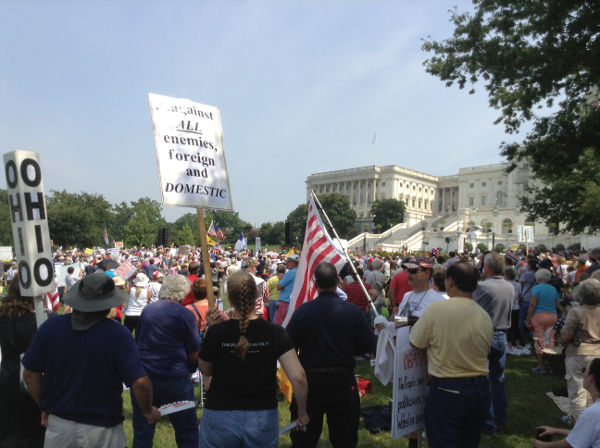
<point x="495" y="213"/>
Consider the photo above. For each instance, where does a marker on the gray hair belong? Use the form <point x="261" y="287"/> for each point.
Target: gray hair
<point x="495" y="261"/>
<point x="174" y="287"/>
<point x="543" y="275"/>
<point x="589" y="292"/>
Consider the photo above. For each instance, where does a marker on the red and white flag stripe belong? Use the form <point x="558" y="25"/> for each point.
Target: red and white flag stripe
<point x="53" y="299"/>
<point x="318" y="247"/>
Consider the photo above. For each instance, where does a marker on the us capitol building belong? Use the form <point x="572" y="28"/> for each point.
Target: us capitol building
<point x="440" y="210"/>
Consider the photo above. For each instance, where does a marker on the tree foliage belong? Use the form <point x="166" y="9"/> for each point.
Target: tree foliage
<point x="6" y="237"/>
<point x="540" y="63"/>
<point x="77" y="219"/>
<point x="272" y="233"/>
<point x="337" y="207"/>
<point x="387" y="213"/>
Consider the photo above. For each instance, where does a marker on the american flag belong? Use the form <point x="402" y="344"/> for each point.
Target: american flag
<point x="214" y="230"/>
<point x="318" y="247"/>
<point x="52" y="299"/>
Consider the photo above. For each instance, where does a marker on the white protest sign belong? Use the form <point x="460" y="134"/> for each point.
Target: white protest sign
<point x="257" y="244"/>
<point x="525" y="234"/>
<point x="29" y="222"/>
<point x="6" y="253"/>
<point x="62" y="272"/>
<point x="189" y="149"/>
<point x="114" y="253"/>
<point x="176" y="406"/>
<point x="125" y="270"/>
<point x="410" y="392"/>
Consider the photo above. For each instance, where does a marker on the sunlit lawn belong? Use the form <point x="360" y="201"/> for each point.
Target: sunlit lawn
<point x="528" y="407"/>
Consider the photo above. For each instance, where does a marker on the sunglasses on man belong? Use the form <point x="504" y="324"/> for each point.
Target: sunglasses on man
<point x="414" y="270"/>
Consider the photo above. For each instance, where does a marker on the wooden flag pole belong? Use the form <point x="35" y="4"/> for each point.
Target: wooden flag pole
<point x="205" y="259"/>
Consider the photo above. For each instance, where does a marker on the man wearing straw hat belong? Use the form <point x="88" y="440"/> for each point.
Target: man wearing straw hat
<point x="85" y="358"/>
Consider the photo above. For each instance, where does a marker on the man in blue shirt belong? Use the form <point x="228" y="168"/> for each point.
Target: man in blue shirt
<point x="285" y="287"/>
<point x="329" y="332"/>
<point x="168" y="340"/>
<point x="86" y="357"/>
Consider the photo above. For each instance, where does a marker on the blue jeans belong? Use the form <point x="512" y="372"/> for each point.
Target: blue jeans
<point x="247" y="429"/>
<point x="522" y="317"/>
<point x="496" y="366"/>
<point x="185" y="423"/>
<point x="455" y="411"/>
<point x="272" y="309"/>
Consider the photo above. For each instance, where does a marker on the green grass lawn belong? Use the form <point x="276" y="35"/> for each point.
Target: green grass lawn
<point x="528" y="407"/>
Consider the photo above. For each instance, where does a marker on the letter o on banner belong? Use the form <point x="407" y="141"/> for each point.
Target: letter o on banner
<point x="42" y="271"/>
<point x="11" y="174"/>
<point x="30" y="167"/>
<point x="24" y="275"/>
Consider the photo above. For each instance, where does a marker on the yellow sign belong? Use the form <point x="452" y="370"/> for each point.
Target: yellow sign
<point x="89" y="251"/>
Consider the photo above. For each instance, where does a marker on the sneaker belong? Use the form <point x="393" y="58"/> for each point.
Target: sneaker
<point x="538" y="369"/>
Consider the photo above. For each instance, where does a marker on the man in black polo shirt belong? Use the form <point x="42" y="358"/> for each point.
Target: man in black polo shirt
<point x="328" y="332"/>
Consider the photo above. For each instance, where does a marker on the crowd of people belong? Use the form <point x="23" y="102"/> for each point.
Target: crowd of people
<point x="151" y="330"/>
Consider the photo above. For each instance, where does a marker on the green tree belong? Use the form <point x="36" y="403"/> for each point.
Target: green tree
<point x="500" y="248"/>
<point x="140" y="231"/>
<point x="230" y="224"/>
<point x="78" y="219"/>
<point x="337" y="207"/>
<point x="297" y="219"/>
<point x="6" y="236"/>
<point x="122" y="213"/>
<point x="482" y="247"/>
<point x="539" y="62"/>
<point x="387" y="213"/>
<point x="186" y="235"/>
<point x="273" y="233"/>
<point x="142" y="227"/>
<point x="190" y="220"/>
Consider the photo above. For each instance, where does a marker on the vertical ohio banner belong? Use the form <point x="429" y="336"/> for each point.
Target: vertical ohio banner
<point x="29" y="222"/>
<point x="189" y="149"/>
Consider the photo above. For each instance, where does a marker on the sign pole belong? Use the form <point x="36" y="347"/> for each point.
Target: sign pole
<point x="205" y="258"/>
<point x="40" y="314"/>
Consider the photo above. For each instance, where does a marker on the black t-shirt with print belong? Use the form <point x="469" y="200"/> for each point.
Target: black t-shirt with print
<point x="250" y="384"/>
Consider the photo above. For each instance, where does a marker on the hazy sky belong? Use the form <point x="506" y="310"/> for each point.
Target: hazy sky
<point x="302" y="87"/>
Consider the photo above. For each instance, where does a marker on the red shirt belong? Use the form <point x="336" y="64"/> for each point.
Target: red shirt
<point x="357" y="296"/>
<point x="189" y="299"/>
<point x="400" y="285"/>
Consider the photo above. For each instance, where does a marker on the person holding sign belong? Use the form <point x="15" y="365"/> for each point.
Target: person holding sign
<point x="241" y="355"/>
<point x="457" y="334"/>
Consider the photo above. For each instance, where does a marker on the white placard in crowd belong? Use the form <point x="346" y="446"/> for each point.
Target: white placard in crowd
<point x="257" y="245"/>
<point x="525" y="234"/>
<point x="190" y="153"/>
<point x="114" y="253"/>
<point x="6" y="253"/>
<point x="27" y="207"/>
<point x="410" y="392"/>
<point x="61" y="272"/>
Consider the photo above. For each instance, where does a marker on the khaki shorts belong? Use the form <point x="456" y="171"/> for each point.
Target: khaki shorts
<point x="62" y="433"/>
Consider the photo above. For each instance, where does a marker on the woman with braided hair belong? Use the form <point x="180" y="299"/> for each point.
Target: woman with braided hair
<point x="241" y="355"/>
